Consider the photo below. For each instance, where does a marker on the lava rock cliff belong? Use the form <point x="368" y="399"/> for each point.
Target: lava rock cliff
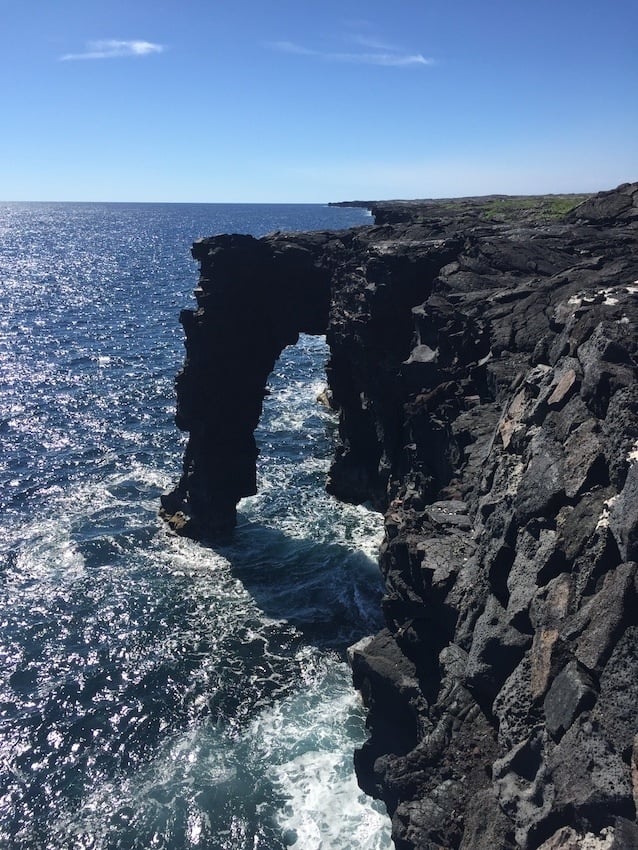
<point x="484" y="364"/>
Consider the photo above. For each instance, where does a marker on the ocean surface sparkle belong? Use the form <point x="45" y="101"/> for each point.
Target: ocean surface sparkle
<point x="155" y="693"/>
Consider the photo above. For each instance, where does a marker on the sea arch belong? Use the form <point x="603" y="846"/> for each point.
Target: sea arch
<point x="254" y="298"/>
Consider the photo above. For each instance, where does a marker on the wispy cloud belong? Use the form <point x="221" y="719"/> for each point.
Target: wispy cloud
<point x="374" y="43"/>
<point x="112" y="48"/>
<point x="380" y="54"/>
<point x="388" y="59"/>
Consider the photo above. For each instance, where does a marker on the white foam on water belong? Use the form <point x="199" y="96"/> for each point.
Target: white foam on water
<point x="290" y="419"/>
<point x="365" y="531"/>
<point x="180" y="554"/>
<point x="48" y="547"/>
<point x="287" y="773"/>
<point x="47" y="552"/>
<point x="309" y="740"/>
<point x="326" y="809"/>
<point x="145" y="475"/>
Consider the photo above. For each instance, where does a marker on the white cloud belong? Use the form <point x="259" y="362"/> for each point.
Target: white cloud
<point x="374" y="43"/>
<point x="382" y="55"/>
<point x="112" y="48"/>
<point x="387" y="59"/>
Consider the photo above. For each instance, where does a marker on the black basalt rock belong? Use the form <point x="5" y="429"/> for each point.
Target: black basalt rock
<point x="484" y="364"/>
<point x="254" y="298"/>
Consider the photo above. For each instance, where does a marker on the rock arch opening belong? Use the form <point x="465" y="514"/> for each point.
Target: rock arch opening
<point x="254" y="298"/>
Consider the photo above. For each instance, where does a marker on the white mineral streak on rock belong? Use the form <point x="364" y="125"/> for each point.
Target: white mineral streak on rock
<point x="568" y="839"/>
<point x="609" y="295"/>
<point x="603" y="520"/>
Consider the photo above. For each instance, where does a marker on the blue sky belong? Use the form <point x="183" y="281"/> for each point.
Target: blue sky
<point x="281" y="101"/>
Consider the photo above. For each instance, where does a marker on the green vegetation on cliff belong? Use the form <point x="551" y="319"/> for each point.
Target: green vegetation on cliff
<point x="531" y="208"/>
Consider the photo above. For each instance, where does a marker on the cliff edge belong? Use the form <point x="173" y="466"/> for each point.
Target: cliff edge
<point x="484" y="365"/>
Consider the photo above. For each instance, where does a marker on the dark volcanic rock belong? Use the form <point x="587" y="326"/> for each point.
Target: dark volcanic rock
<point x="251" y="305"/>
<point x="485" y="373"/>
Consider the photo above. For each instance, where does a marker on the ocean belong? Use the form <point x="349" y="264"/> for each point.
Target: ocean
<point x="155" y="692"/>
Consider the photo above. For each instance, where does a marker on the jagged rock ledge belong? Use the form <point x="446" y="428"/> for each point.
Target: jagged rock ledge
<point x="483" y="361"/>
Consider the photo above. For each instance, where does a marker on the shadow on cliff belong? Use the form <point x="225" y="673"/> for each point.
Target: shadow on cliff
<point x="329" y="592"/>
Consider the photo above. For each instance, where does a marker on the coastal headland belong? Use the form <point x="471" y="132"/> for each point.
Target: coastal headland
<point x="483" y="364"/>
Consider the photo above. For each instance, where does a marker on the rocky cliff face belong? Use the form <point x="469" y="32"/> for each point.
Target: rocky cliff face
<point x="485" y="371"/>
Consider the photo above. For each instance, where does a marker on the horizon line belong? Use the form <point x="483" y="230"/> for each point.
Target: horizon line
<point x="343" y="201"/>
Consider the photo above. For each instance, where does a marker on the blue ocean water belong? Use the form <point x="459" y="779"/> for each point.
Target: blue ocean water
<point x="155" y="693"/>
